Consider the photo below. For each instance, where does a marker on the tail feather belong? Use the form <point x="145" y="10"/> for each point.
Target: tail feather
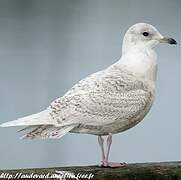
<point x="41" y="118"/>
<point x="26" y="128"/>
<point x="47" y="131"/>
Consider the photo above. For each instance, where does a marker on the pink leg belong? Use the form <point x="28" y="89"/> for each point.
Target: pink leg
<point x="109" y="142"/>
<point x="101" y="143"/>
<point x="106" y="162"/>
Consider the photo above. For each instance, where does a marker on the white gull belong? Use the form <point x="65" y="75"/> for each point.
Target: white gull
<point x="107" y="102"/>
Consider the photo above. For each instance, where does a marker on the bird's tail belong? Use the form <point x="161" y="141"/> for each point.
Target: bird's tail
<point x="46" y="131"/>
<point x="41" y="118"/>
<point x="39" y="125"/>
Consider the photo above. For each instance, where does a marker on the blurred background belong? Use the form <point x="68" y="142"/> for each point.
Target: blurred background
<point x="46" y="46"/>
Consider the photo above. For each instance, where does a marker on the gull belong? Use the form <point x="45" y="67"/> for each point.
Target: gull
<point x="106" y="102"/>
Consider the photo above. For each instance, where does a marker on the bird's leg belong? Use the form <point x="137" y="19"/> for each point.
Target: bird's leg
<point x="106" y="163"/>
<point x="109" y="142"/>
<point x="101" y="144"/>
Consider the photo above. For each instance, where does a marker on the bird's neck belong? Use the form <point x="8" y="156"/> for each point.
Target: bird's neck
<point x="140" y="61"/>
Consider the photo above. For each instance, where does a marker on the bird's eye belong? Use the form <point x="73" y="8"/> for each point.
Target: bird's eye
<point x="145" y="33"/>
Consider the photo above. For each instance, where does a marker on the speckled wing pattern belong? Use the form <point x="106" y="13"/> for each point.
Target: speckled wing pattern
<point x="108" y="98"/>
<point x="102" y="98"/>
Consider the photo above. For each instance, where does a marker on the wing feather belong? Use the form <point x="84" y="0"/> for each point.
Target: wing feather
<point x="101" y="98"/>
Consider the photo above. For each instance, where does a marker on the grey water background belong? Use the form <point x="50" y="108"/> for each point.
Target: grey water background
<point x="46" y="46"/>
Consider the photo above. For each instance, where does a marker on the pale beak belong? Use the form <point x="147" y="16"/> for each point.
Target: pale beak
<point x="168" y="40"/>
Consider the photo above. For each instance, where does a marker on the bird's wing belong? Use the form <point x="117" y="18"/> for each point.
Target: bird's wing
<point x="62" y="110"/>
<point x="102" y="108"/>
<point x="101" y="99"/>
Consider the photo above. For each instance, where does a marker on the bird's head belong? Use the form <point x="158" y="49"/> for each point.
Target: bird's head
<point x="143" y="35"/>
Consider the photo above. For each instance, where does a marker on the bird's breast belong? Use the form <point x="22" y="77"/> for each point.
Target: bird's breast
<point x="142" y="63"/>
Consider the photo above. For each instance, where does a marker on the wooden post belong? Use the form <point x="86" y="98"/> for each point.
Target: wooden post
<point x="141" y="171"/>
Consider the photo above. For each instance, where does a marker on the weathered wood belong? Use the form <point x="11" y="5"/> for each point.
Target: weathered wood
<point x="141" y="171"/>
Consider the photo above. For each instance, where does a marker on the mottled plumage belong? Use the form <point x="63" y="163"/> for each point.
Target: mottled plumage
<point x="109" y="101"/>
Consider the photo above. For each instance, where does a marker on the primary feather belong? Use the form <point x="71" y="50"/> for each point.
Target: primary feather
<point x="34" y="119"/>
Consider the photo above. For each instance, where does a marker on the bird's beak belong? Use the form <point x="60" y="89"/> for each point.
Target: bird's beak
<point x="168" y="40"/>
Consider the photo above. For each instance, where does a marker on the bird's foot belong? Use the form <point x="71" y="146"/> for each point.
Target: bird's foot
<point x="112" y="164"/>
